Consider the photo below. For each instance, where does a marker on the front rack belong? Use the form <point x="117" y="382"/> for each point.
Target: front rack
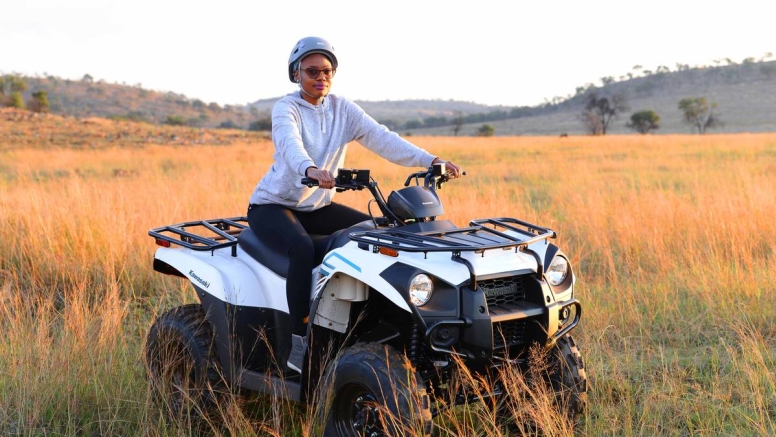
<point x="481" y="235"/>
<point x="211" y="234"/>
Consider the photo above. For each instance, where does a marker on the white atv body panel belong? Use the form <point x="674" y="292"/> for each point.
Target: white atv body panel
<point x="242" y="281"/>
<point x="237" y="280"/>
<point x="366" y="267"/>
<point x="363" y="266"/>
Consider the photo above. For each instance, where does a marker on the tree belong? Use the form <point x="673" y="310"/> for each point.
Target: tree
<point x="644" y="121"/>
<point x="14" y="100"/>
<point x="435" y="121"/>
<point x="458" y="122"/>
<point x="263" y="124"/>
<point x="11" y="89"/>
<point x="413" y="124"/>
<point x="229" y="124"/>
<point x="39" y="102"/>
<point x="699" y="114"/>
<point x="599" y="112"/>
<point x="485" y="130"/>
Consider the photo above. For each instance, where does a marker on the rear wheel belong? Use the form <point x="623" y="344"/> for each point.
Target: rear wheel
<point x="181" y="363"/>
<point x="376" y="392"/>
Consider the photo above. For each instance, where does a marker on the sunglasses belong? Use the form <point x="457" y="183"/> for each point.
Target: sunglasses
<point x="313" y="73"/>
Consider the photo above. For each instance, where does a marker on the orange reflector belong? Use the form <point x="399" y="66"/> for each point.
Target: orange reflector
<point x="163" y="243"/>
<point x="389" y="252"/>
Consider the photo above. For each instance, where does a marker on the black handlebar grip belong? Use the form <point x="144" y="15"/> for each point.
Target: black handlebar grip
<point x="310" y="182"/>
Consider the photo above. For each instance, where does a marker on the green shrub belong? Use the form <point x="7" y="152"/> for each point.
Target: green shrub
<point x="175" y="120"/>
<point x="485" y="130"/>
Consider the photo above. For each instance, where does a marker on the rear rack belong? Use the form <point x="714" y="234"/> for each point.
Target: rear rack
<point x="212" y="234"/>
<point x="481" y="235"/>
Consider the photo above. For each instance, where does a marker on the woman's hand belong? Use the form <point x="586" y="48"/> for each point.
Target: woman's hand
<point x="450" y="167"/>
<point x="324" y="177"/>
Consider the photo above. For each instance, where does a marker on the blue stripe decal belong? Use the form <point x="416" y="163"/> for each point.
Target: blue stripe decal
<point x="358" y="269"/>
<point x="324" y="272"/>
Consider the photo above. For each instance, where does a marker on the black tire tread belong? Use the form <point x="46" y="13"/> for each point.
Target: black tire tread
<point x="571" y="376"/>
<point x="190" y="323"/>
<point x="391" y="365"/>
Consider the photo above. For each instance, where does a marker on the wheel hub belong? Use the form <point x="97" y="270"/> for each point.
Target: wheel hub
<point x="357" y="413"/>
<point x="365" y="415"/>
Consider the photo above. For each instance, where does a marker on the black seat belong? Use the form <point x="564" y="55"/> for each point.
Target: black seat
<point x="273" y="258"/>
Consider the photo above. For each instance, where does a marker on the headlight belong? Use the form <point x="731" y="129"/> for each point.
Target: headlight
<point x="558" y="270"/>
<point x="421" y="288"/>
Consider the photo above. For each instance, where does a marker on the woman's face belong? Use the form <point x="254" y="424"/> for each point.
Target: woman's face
<point x="314" y="89"/>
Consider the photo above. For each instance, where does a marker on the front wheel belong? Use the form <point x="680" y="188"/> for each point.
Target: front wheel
<point x="557" y="375"/>
<point x="569" y="378"/>
<point x="376" y="392"/>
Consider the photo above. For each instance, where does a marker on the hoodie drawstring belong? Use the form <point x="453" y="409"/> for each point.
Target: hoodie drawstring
<point x="323" y="118"/>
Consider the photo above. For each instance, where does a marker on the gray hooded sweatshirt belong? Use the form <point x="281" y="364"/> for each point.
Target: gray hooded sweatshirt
<point x="307" y="135"/>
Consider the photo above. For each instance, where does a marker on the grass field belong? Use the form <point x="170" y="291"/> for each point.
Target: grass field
<point x="672" y="239"/>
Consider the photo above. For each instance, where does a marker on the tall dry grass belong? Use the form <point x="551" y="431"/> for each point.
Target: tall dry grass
<point x="671" y="239"/>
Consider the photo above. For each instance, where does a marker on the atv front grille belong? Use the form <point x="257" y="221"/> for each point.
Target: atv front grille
<point x="502" y="291"/>
<point x="508" y="334"/>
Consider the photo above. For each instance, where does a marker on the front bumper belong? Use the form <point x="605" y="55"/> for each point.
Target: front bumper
<point x="502" y="326"/>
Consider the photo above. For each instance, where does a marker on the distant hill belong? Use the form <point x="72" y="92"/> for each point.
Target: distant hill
<point x="95" y="98"/>
<point x="745" y="94"/>
<point x="90" y="98"/>
<point x="396" y="112"/>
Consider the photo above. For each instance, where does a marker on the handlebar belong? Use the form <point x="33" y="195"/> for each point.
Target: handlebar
<point x="310" y="182"/>
<point x="433" y="177"/>
<point x="347" y="179"/>
<point x="351" y="179"/>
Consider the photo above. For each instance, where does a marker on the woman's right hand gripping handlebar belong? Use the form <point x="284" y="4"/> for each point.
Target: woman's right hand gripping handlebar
<point x="324" y="177"/>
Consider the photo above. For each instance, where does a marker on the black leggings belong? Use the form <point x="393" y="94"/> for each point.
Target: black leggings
<point x="290" y="230"/>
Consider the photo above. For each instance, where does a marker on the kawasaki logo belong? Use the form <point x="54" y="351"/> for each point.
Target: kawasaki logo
<point x="501" y="291"/>
<point x="200" y="280"/>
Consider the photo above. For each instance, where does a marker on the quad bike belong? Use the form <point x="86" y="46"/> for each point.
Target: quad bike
<point x="398" y="304"/>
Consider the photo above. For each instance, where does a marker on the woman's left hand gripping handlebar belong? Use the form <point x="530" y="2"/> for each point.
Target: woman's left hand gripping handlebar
<point x="450" y="167"/>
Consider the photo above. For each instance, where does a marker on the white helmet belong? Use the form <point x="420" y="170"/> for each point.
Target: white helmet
<point x="308" y="46"/>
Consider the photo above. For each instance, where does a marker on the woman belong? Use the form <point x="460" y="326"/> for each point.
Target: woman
<point x="311" y="130"/>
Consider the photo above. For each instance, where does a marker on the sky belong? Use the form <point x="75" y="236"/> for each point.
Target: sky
<point x="502" y="52"/>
